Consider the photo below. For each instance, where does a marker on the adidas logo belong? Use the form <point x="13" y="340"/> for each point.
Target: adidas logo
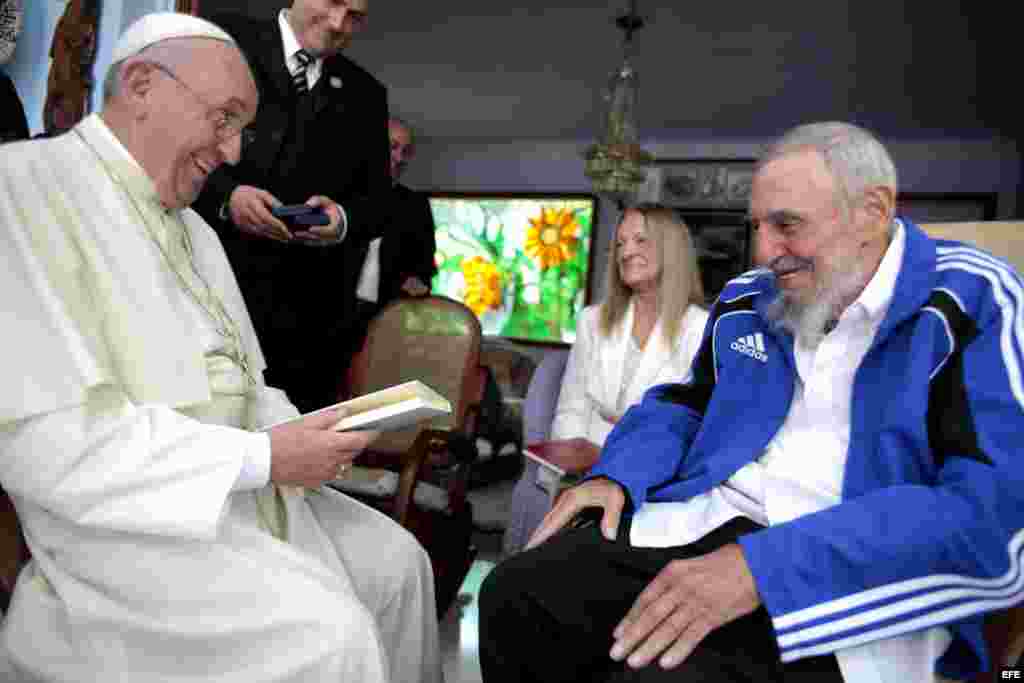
<point x="751" y="345"/>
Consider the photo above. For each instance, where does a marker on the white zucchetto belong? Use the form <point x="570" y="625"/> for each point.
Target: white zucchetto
<point x="158" y="26"/>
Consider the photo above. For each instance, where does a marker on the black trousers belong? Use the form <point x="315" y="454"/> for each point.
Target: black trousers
<point x="547" y="614"/>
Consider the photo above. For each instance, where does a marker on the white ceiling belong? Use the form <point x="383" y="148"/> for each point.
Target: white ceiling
<point x="479" y="69"/>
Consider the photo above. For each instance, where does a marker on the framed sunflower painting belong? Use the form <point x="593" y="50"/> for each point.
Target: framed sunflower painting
<point x="522" y="262"/>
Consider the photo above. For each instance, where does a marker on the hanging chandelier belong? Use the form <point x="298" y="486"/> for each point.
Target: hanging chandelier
<point x="616" y="164"/>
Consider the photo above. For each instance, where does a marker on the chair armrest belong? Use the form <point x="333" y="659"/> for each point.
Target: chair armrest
<point x="461" y="448"/>
<point x="427" y="441"/>
<point x="411" y="464"/>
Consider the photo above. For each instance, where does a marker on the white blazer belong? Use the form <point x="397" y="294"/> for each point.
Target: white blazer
<point x="595" y="371"/>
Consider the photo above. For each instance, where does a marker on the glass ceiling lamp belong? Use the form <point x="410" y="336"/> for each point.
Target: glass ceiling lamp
<point x="615" y="165"/>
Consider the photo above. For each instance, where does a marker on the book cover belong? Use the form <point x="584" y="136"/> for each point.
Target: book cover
<point x="393" y="408"/>
<point x="564" y="456"/>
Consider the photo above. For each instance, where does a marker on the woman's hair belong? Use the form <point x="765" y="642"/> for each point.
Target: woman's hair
<point x="679" y="283"/>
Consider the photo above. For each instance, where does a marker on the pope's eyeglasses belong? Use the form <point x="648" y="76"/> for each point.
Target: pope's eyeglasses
<point x="226" y="123"/>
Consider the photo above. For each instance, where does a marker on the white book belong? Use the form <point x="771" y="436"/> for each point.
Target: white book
<point x="562" y="462"/>
<point x="396" y="407"/>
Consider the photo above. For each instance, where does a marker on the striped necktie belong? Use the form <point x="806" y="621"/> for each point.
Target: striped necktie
<point x="299" y="77"/>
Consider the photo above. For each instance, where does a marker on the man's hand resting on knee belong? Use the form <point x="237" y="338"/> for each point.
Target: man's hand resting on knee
<point x="596" y="493"/>
<point x="308" y="452"/>
<point x="686" y="600"/>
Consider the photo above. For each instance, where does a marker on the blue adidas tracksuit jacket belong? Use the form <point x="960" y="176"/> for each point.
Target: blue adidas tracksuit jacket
<point x="929" y="531"/>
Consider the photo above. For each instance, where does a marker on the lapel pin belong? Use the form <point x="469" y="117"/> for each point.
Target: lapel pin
<point x="335" y="82"/>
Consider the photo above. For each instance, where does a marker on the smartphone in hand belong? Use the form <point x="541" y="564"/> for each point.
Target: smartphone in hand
<point x="299" y="217"/>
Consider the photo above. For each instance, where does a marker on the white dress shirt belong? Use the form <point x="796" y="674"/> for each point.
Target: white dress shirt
<point x="801" y="470"/>
<point x="368" y="288"/>
<point x="291" y="47"/>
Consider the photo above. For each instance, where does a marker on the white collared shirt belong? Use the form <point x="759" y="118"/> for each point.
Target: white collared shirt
<point x="291" y="46"/>
<point x="819" y="417"/>
<point x="368" y="288"/>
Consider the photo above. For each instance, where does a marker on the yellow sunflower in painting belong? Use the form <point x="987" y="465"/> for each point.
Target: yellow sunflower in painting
<point x="551" y="237"/>
<point x="483" y="285"/>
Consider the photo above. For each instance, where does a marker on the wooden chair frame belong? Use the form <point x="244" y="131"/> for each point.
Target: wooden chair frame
<point x="453" y="449"/>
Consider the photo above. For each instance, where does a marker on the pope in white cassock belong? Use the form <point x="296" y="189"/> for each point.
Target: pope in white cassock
<point x="171" y="541"/>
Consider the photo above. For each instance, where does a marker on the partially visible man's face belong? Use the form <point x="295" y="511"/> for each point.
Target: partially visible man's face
<point x="326" y="27"/>
<point x="804" y="237"/>
<point x="185" y="115"/>
<point x="401" y="148"/>
<point x="800" y="229"/>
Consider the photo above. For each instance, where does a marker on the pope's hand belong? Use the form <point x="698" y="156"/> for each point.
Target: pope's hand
<point x="595" y="493"/>
<point x="308" y="452"/>
<point x="686" y="600"/>
<point x="250" y="212"/>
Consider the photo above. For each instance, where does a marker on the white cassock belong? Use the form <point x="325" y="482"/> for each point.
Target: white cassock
<point x="159" y="552"/>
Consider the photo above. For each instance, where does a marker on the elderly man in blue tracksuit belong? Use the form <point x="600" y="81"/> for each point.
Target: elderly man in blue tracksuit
<point x="836" y="490"/>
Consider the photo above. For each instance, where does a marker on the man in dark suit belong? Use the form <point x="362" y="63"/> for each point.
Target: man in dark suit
<point x="401" y="262"/>
<point x="319" y="138"/>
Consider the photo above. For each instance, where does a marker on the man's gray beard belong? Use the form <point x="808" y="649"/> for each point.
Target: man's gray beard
<point x="807" y="321"/>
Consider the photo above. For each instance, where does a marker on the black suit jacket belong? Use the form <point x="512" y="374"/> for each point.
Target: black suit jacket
<point x="295" y="293"/>
<point x="407" y="246"/>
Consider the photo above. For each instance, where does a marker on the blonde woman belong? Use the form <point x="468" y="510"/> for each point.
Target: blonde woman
<point x="645" y="332"/>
